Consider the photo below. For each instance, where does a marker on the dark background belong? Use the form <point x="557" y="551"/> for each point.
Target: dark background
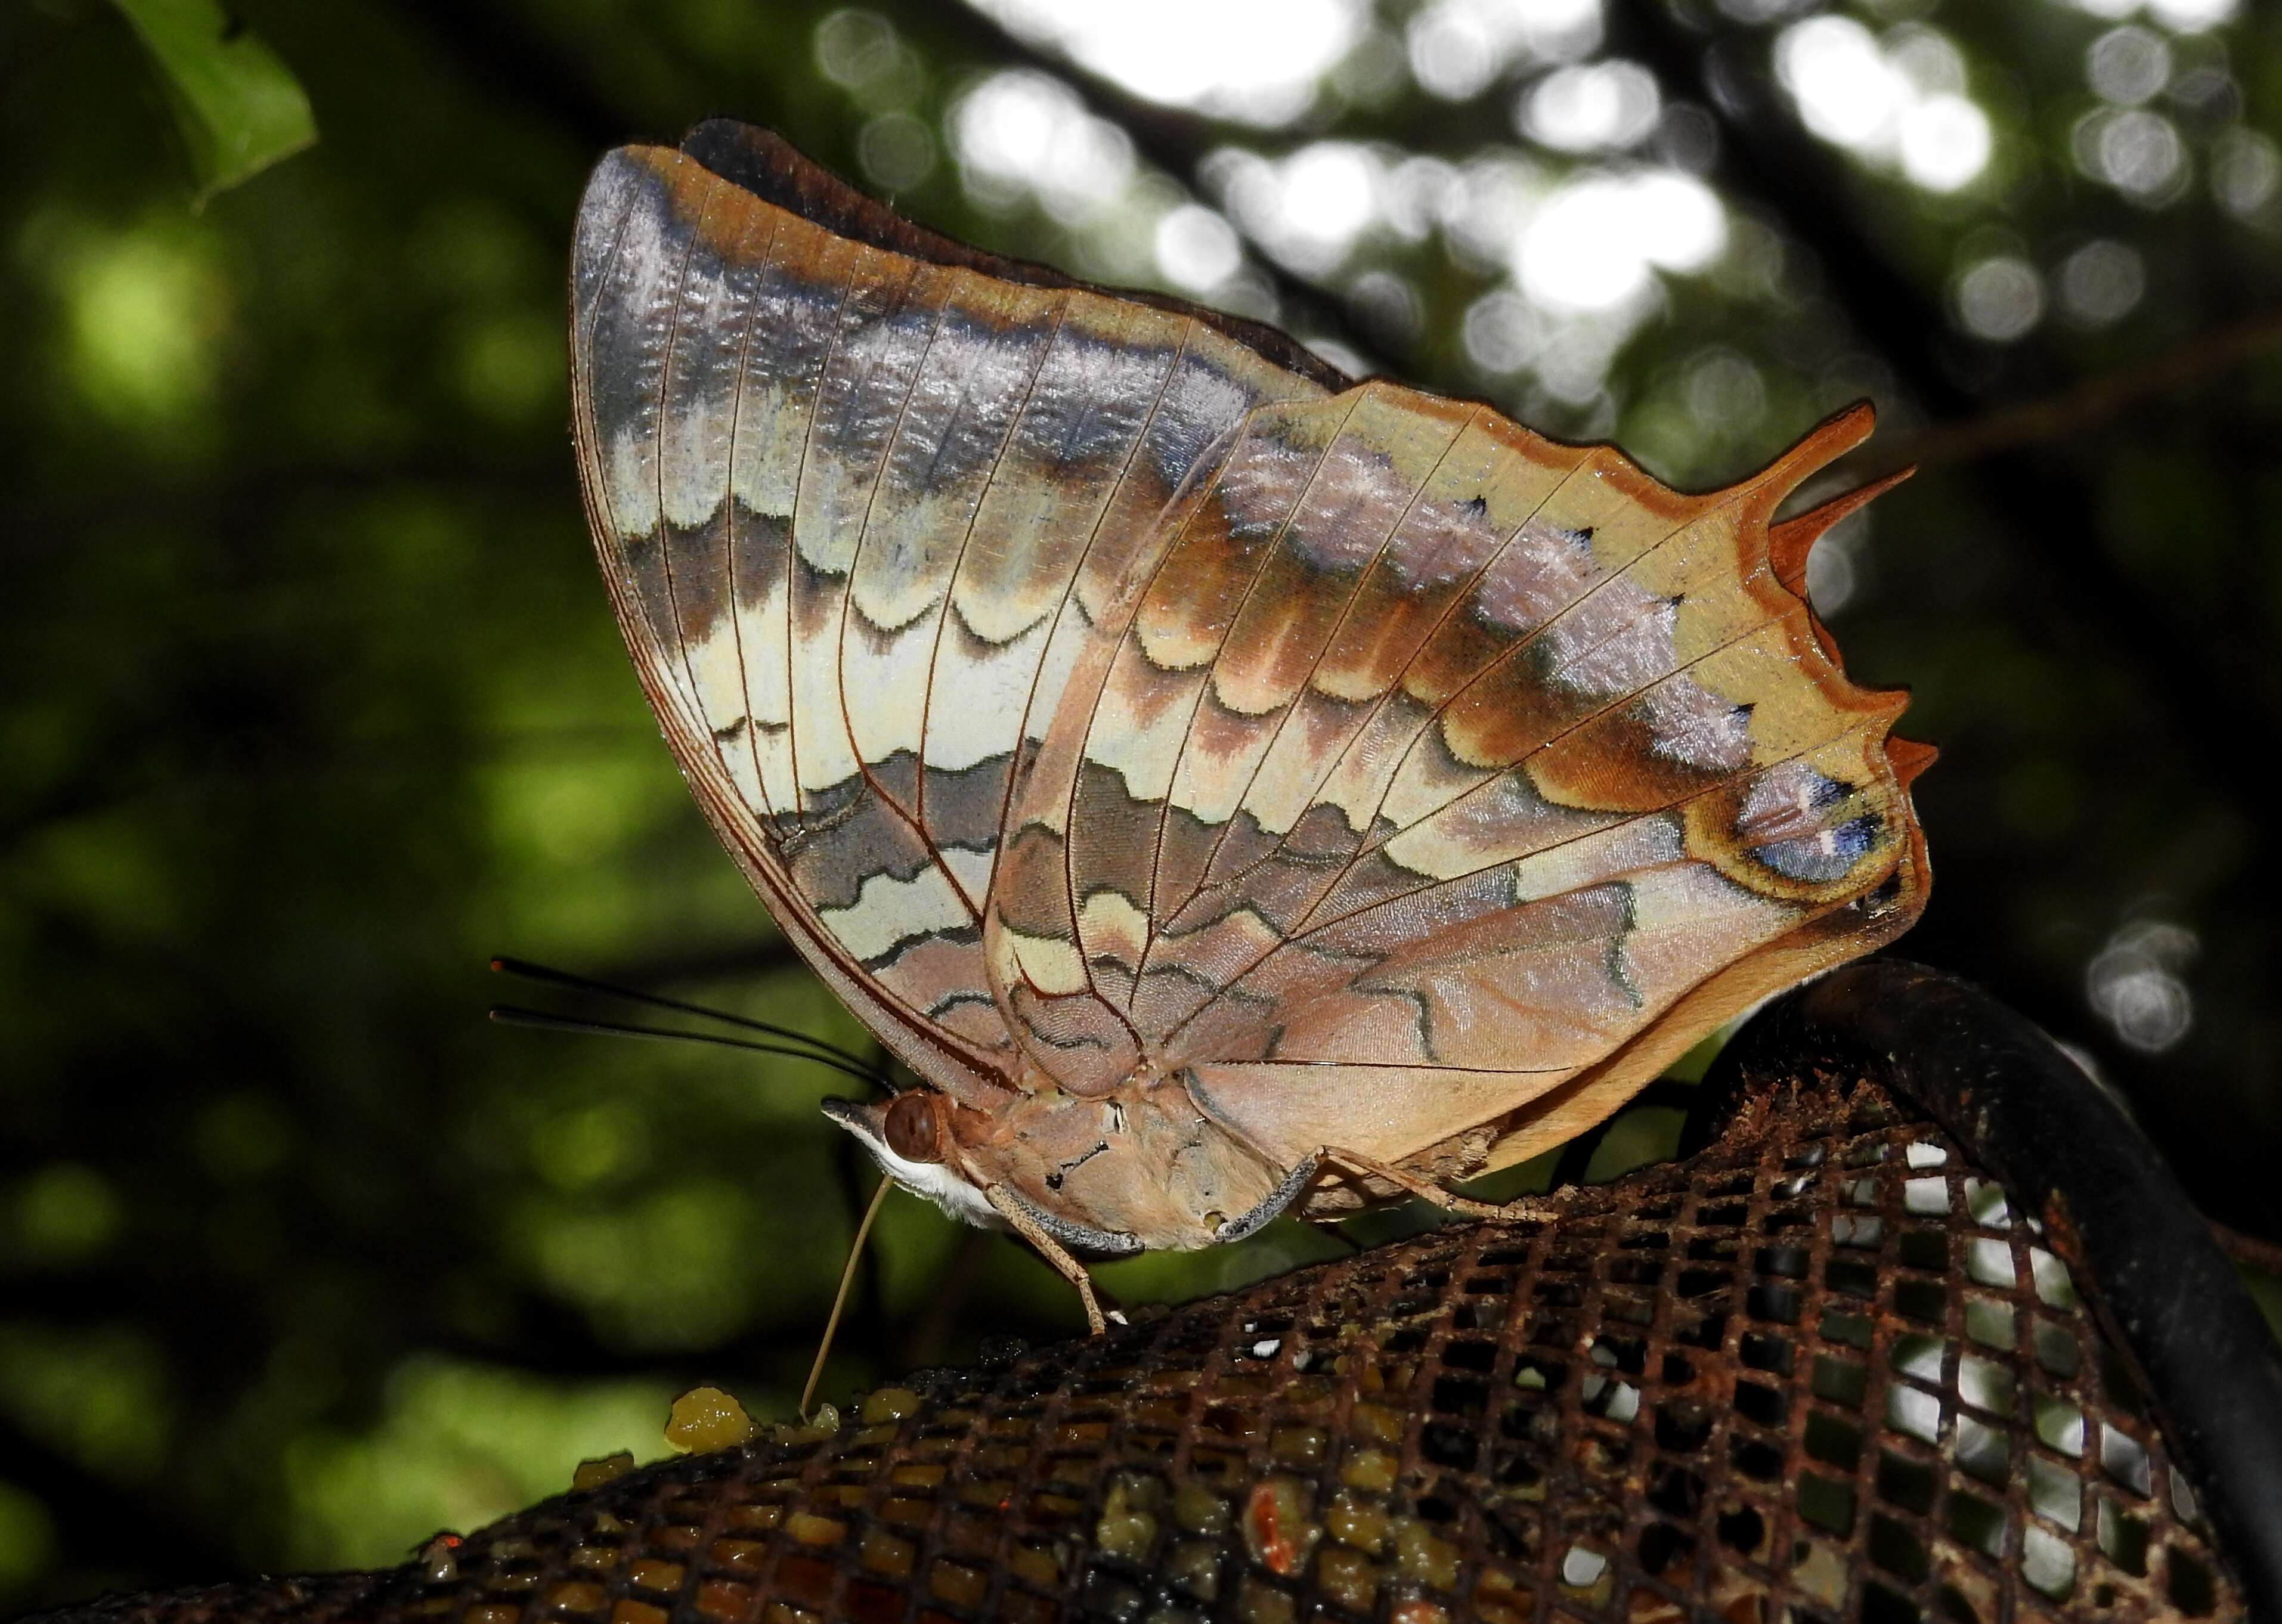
<point x="312" y="701"/>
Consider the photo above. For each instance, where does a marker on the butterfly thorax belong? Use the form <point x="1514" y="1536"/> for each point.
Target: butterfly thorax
<point x="1138" y="1167"/>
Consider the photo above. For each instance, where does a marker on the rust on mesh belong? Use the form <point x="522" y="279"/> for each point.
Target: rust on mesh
<point x="1822" y="1371"/>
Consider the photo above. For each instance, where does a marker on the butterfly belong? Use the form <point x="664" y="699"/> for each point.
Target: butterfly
<point x="1229" y="788"/>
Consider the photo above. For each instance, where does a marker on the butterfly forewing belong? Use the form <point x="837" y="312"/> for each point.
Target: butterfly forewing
<point x="856" y="507"/>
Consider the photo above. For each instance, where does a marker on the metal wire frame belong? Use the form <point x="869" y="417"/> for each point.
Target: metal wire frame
<point x="1920" y="1331"/>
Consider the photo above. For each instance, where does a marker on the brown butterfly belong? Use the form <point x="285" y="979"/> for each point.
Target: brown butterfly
<point x="1230" y="788"/>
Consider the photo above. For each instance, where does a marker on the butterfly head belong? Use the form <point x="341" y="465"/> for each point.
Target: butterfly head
<point x="911" y="1137"/>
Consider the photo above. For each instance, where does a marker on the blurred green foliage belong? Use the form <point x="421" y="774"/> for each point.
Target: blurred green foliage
<point x="313" y="702"/>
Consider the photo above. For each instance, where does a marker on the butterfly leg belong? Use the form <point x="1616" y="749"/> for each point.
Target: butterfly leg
<point x="1521" y="1208"/>
<point x="1053" y="1251"/>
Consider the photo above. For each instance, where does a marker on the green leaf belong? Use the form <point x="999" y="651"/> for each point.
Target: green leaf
<point x="237" y="105"/>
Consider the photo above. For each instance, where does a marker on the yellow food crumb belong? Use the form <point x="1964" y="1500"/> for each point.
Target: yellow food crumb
<point x="603" y="1469"/>
<point x="883" y="1552"/>
<point x="1128" y="1527"/>
<point x="1424" y="1555"/>
<point x="1356" y="1522"/>
<point x="810" y="1529"/>
<point x="1200" y="1511"/>
<point x="1033" y="1566"/>
<point x="652" y="1574"/>
<point x="705" y="1419"/>
<point x="1418" y="1610"/>
<point x="887" y="1404"/>
<point x="1348" y="1578"/>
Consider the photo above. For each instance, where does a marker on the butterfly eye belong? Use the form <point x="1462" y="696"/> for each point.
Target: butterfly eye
<point x="911" y="1128"/>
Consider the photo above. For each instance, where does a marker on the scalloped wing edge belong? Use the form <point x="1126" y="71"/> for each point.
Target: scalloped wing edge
<point x="1823" y="943"/>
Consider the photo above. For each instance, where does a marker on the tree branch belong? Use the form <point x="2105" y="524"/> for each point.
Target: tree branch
<point x="2051" y="418"/>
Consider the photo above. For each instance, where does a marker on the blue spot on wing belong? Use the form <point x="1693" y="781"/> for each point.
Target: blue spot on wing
<point x="1826" y="855"/>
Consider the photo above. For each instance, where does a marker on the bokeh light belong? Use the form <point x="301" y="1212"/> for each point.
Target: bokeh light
<point x="1839" y="570"/>
<point x="1725" y="391"/>
<point x="1022" y="135"/>
<point x="2127" y="66"/>
<point x="147" y="313"/>
<point x="2101" y="283"/>
<point x="2182" y="16"/>
<point x="1594" y="243"/>
<point x="1944" y="142"/>
<point x="1254" y="61"/>
<point x="896" y="152"/>
<point x="1310" y="210"/>
<point x="2246" y="172"/>
<point x="2134" y="150"/>
<point x="1502" y="333"/>
<point x="860" y="51"/>
<point x="1197" y="248"/>
<point x="2136" y="984"/>
<point x="2000" y="298"/>
<point x="2191" y="16"/>
<point x="65" y="1213"/>
<point x="1490" y="201"/>
<point x="1846" y="90"/>
<point x="1591" y="107"/>
<point x="1899" y="101"/>
<point x="1460" y="48"/>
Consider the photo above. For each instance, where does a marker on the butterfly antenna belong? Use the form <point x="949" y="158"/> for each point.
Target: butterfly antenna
<point x="546" y="976"/>
<point x="840" y="1298"/>
<point x="509" y="1014"/>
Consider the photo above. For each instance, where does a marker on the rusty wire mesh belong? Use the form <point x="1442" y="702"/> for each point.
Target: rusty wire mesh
<point x="1823" y="1370"/>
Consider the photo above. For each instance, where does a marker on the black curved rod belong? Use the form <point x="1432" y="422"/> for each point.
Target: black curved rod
<point x="2027" y="1113"/>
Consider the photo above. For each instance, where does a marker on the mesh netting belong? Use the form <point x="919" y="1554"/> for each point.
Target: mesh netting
<point x="1824" y="1370"/>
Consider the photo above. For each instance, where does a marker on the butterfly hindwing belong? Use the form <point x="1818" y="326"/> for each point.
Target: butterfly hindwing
<point x="1433" y="765"/>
